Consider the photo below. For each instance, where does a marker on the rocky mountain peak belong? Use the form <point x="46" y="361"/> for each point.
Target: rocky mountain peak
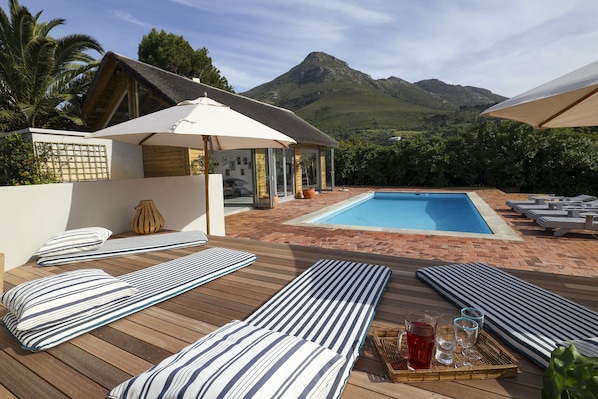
<point x="319" y="67"/>
<point x="328" y="93"/>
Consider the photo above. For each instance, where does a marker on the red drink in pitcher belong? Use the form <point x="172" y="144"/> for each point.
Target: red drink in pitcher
<point x="420" y="345"/>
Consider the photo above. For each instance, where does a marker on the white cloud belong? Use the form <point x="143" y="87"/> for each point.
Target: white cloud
<point x="506" y="46"/>
<point x="130" y="18"/>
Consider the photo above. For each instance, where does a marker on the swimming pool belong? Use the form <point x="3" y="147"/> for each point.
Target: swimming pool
<point x="420" y="211"/>
<point x="462" y="214"/>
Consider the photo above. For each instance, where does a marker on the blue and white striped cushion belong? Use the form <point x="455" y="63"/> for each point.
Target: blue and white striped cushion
<point x="130" y="246"/>
<point x="238" y="361"/>
<point x="155" y="284"/>
<point x="331" y="304"/>
<point x="588" y="347"/>
<point x="530" y="319"/>
<point x="55" y="299"/>
<point x="76" y="240"/>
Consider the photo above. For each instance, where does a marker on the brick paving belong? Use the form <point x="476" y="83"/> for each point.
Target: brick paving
<point x="574" y="254"/>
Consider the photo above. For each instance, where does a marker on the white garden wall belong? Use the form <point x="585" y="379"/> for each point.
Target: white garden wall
<point x="31" y="214"/>
<point x="124" y="160"/>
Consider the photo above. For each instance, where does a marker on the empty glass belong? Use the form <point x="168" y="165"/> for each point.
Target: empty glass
<point x="466" y="333"/>
<point x="474" y="314"/>
<point x="445" y="339"/>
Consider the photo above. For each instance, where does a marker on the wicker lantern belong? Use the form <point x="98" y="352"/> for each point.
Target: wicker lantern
<point x="147" y="219"/>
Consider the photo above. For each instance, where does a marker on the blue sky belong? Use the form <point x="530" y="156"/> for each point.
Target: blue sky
<point x="506" y="46"/>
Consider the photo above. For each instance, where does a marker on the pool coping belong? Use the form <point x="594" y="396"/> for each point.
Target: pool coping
<point x="500" y="229"/>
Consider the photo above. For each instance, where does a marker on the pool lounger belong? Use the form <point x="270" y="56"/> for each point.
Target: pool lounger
<point x="532" y="199"/>
<point x="539" y="199"/>
<point x="530" y="319"/>
<point x="155" y="284"/>
<point x="578" y="200"/>
<point x="331" y="305"/>
<point x="564" y="224"/>
<point x="131" y="246"/>
<point x="568" y="211"/>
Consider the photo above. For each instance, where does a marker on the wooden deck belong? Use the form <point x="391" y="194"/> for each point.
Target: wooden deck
<point x="88" y="366"/>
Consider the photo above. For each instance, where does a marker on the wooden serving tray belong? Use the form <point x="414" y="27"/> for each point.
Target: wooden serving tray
<point x="495" y="363"/>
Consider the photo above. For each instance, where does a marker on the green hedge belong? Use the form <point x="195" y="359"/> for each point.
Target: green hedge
<point x="508" y="155"/>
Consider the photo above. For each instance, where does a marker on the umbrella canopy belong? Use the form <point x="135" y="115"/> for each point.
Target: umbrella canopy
<point x="187" y="123"/>
<point x="568" y="101"/>
<point x="194" y="124"/>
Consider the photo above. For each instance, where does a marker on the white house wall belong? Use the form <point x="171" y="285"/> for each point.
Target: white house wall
<point x="32" y="214"/>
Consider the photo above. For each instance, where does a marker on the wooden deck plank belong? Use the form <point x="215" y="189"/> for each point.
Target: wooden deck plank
<point x="111" y="354"/>
<point x="139" y="348"/>
<point x="170" y="318"/>
<point x="153" y="336"/>
<point x="59" y="375"/>
<point x="23" y="382"/>
<point x="5" y="393"/>
<point x="88" y="365"/>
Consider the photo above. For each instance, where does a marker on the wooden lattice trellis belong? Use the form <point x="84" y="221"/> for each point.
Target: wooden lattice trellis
<point x="72" y="162"/>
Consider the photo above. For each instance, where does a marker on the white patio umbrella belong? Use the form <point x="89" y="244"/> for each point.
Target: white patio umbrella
<point x="195" y="124"/>
<point x="568" y="101"/>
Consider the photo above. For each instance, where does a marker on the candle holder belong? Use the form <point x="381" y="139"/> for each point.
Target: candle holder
<point x="147" y="219"/>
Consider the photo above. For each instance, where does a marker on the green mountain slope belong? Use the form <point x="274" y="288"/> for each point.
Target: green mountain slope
<point x="326" y="92"/>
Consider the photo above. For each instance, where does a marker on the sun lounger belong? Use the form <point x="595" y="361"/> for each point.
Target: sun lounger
<point x="331" y="305"/>
<point x="532" y="320"/>
<point x="562" y="225"/>
<point x="569" y="201"/>
<point x="154" y="284"/>
<point x="538" y="199"/>
<point x="532" y="199"/>
<point x="564" y="211"/>
<point x="131" y="246"/>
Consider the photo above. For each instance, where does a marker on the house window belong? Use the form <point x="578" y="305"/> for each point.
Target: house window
<point x="72" y="162"/>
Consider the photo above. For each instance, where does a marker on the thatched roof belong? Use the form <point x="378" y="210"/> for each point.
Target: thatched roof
<point x="166" y="89"/>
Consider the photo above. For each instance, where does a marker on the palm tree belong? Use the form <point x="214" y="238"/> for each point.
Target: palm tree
<point x="42" y="78"/>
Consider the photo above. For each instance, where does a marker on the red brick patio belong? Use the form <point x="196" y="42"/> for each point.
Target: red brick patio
<point x="573" y="254"/>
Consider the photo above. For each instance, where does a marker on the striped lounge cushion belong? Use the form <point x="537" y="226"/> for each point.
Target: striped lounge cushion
<point x="55" y="299"/>
<point x="532" y="320"/>
<point x="73" y="241"/>
<point x="130" y="246"/>
<point x="588" y="347"/>
<point x="238" y="361"/>
<point x="331" y="304"/>
<point x="155" y="284"/>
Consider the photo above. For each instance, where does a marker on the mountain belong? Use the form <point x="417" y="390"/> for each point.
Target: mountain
<point x="460" y="95"/>
<point x="337" y="99"/>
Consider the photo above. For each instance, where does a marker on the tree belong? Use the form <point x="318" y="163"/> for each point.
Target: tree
<point x="42" y="78"/>
<point x="173" y="53"/>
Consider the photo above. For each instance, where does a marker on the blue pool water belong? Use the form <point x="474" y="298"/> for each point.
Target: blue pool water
<point x="415" y="211"/>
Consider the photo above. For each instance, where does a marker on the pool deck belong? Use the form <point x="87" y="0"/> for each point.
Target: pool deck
<point x="574" y="254"/>
<point x="90" y="365"/>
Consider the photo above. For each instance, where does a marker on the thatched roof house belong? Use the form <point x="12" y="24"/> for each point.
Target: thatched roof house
<point x="124" y="88"/>
<point x="158" y="89"/>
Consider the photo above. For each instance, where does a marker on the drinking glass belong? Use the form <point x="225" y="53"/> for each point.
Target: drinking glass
<point x="474" y="314"/>
<point x="466" y="333"/>
<point x="432" y="316"/>
<point x="446" y="341"/>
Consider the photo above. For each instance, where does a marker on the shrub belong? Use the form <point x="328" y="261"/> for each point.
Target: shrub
<point x="21" y="165"/>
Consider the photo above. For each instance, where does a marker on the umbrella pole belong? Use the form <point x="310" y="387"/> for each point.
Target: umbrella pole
<point x="206" y="173"/>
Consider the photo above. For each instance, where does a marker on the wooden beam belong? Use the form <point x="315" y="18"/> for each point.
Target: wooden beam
<point x="120" y="92"/>
<point x="133" y="90"/>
